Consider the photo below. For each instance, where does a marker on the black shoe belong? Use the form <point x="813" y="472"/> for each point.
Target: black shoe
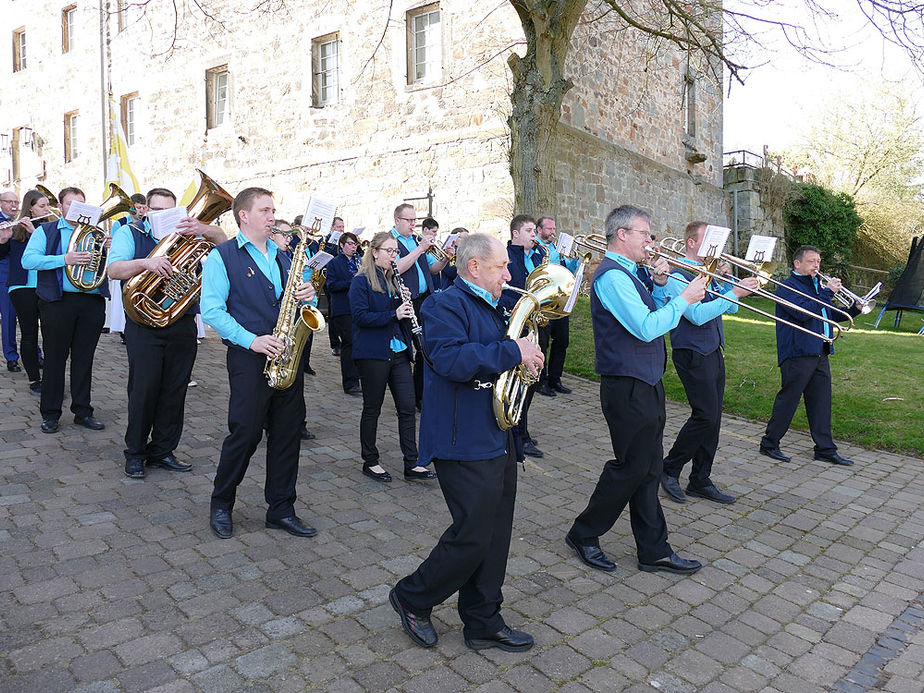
<point x="305" y="435"/>
<point x="530" y="450"/>
<point x="36" y="387"/>
<point x="378" y="476"/>
<point x="558" y="387"/>
<point x="505" y="639"/>
<point x="89" y="422"/>
<point x="591" y="555"/>
<point x="122" y="337"/>
<point x="49" y="425"/>
<point x="309" y="370"/>
<point x="671" y="486"/>
<point x="355" y="391"/>
<point x="424" y="475"/>
<point x="834" y="458"/>
<point x="335" y="351"/>
<point x="774" y="454"/>
<point x="534" y="441"/>
<point x="220" y="522"/>
<point x="134" y="468"/>
<point x="671" y="564"/>
<point x="418" y="628"/>
<point x="293" y="526"/>
<point x="710" y="492"/>
<point x="170" y="462"/>
<point x="545" y="389"/>
<point x="13" y="366"/>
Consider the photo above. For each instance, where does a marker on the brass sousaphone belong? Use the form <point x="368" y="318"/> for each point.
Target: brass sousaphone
<point x="161" y="301"/>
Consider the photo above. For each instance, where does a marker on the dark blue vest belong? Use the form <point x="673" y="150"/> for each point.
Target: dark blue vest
<point x="618" y="351"/>
<point x="251" y="298"/>
<point x="49" y="283"/>
<point x="703" y="339"/>
<point x="410" y="277"/>
<point x="12" y="250"/>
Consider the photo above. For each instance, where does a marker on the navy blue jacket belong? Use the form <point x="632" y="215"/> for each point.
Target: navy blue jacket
<point x="792" y="343"/>
<point x="448" y="276"/>
<point x="338" y="283"/>
<point x="13" y="250"/>
<point x="466" y="339"/>
<point x="374" y="321"/>
<point x="518" y="272"/>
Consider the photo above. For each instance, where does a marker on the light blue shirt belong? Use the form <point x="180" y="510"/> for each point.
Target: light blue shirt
<point x="307" y="274"/>
<point x="619" y="295"/>
<point x="824" y="311"/>
<point x="31" y="282"/>
<point x="410" y="243"/>
<point x="123" y="242"/>
<point x="34" y="257"/>
<point x="216" y="287"/>
<point x="555" y="256"/>
<point x="483" y="293"/>
<point x="699" y="313"/>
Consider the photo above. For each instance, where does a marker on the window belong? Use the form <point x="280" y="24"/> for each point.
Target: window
<point x="19" y="49"/>
<point x="68" y="18"/>
<point x="325" y="68"/>
<point x="424" y="48"/>
<point x="129" y="113"/>
<point x="689" y="105"/>
<point x="216" y="96"/>
<point x="70" y="136"/>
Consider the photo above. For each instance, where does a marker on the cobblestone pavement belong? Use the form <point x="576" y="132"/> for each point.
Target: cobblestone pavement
<point x="813" y="578"/>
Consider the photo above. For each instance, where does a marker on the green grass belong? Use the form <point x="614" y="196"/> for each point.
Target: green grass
<point x="878" y="387"/>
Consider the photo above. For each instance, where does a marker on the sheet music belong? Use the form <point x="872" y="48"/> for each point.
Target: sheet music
<point x="82" y="213"/>
<point x="760" y="249"/>
<point x="450" y="239"/>
<point x="358" y="231"/>
<point x="164" y="221"/>
<point x="578" y="280"/>
<point x="319" y="214"/>
<point x="334" y="237"/>
<point x="319" y="260"/>
<point x="714" y="240"/>
<point x="873" y="292"/>
<point x="565" y="244"/>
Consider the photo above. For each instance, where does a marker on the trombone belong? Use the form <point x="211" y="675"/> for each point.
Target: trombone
<point x="848" y="298"/>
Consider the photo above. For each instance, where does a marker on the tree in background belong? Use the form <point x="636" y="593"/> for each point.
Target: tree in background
<point x="823" y="218"/>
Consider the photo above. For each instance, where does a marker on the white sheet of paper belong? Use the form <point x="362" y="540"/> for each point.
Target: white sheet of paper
<point x="163" y="221"/>
<point x="760" y="249"/>
<point x="578" y="279"/>
<point x="358" y="231"/>
<point x="565" y="244"/>
<point x="873" y="292"/>
<point x="450" y="239"/>
<point x="318" y="260"/>
<point x="334" y="237"/>
<point x="714" y="240"/>
<point x="82" y="213"/>
<point x="319" y="214"/>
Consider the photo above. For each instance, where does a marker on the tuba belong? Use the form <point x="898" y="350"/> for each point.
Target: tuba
<point x="92" y="239"/>
<point x="548" y="288"/>
<point x="294" y="323"/>
<point x="161" y="301"/>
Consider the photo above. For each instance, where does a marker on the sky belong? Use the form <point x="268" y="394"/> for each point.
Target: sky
<point x="775" y="105"/>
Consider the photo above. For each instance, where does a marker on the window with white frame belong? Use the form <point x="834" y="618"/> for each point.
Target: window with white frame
<point x="19" y="49"/>
<point x="129" y="113"/>
<point x="325" y="68"/>
<point x="68" y="20"/>
<point x="216" y="97"/>
<point x="424" y="45"/>
<point x="70" y="136"/>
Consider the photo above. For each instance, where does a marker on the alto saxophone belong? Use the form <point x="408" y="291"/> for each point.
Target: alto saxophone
<point x="295" y="322"/>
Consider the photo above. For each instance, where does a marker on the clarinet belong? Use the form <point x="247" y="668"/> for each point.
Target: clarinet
<point x="416" y="329"/>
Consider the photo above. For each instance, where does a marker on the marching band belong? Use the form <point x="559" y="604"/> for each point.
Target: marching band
<point x="458" y="333"/>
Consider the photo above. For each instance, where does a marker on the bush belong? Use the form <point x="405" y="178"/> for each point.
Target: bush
<point x="828" y="220"/>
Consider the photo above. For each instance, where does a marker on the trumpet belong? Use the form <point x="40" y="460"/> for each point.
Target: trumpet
<point x="848" y="298"/>
<point x="434" y="251"/>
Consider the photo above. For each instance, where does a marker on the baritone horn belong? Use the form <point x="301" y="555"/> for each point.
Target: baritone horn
<point x="94" y="240"/>
<point x="160" y="301"/>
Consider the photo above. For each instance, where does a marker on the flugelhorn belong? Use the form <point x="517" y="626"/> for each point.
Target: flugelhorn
<point x="93" y="240"/>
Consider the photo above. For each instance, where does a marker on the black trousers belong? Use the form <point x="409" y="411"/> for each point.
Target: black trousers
<point x="25" y="303"/>
<point x="160" y="363"/>
<point x="70" y="328"/>
<point x="375" y="374"/>
<point x="306" y="352"/>
<point x="471" y="556"/>
<point x="349" y="375"/>
<point x="418" y="357"/>
<point x="634" y="412"/>
<point x="332" y="335"/>
<point x="703" y="379"/>
<point x="557" y="335"/>
<point x="807" y="377"/>
<point x="252" y="403"/>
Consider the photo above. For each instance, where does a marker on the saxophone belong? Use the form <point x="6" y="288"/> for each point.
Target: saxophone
<point x="548" y="288"/>
<point x="294" y="323"/>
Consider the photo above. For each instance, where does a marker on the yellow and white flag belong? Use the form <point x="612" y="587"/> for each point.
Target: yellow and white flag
<point x="194" y="184"/>
<point x="118" y="170"/>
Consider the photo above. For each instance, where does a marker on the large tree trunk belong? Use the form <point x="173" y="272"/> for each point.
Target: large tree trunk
<point x="539" y="85"/>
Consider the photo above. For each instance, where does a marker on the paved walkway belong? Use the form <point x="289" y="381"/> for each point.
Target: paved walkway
<point x="813" y="579"/>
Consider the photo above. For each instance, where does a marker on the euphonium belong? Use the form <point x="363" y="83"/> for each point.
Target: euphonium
<point x="92" y="239"/>
<point x="161" y="301"/>
<point x="294" y="322"/>
<point x="548" y="288"/>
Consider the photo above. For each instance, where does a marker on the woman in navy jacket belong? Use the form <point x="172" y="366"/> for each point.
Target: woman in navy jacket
<point x="340" y="273"/>
<point x="382" y="350"/>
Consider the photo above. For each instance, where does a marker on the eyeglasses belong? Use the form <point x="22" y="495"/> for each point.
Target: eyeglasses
<point x="645" y="231"/>
<point x="390" y="251"/>
<point x="412" y="220"/>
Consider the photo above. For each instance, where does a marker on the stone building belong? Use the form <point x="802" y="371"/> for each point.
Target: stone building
<point x="336" y="99"/>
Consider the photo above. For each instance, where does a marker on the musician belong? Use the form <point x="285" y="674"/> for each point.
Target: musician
<point x="416" y="268"/>
<point x="340" y="273"/>
<point x="383" y="351"/>
<point x="243" y="281"/>
<point x="630" y="358"/>
<point x="21" y="283"/>
<point x="116" y="310"/>
<point x="524" y="255"/>
<point x="9" y="206"/>
<point x="696" y="351"/>
<point x="71" y="319"/>
<point x="465" y="336"/>
<point x="160" y="359"/>
<point x="555" y="335"/>
<point x="449" y="273"/>
<point x="803" y="359"/>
